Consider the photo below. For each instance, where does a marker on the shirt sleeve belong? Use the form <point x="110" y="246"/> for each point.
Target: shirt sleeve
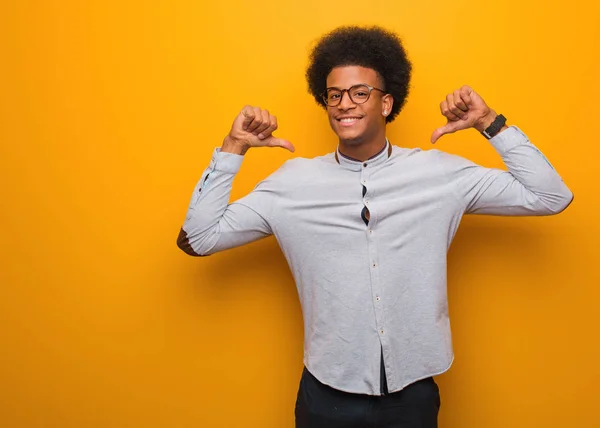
<point x="531" y="186"/>
<point x="213" y="224"/>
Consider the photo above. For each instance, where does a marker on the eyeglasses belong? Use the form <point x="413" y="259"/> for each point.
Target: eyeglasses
<point x="359" y="94"/>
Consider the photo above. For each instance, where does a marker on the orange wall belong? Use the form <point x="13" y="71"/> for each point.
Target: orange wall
<point x="109" y="111"/>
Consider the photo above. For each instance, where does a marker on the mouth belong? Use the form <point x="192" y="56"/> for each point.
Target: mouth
<point x="348" y="121"/>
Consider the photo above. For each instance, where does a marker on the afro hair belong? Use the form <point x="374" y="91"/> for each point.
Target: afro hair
<point x="370" y="47"/>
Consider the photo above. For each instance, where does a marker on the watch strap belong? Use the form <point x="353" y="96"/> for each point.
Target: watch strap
<point x="494" y="127"/>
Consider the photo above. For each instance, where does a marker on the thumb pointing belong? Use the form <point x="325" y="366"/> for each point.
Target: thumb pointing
<point x="448" y="128"/>
<point x="278" y="142"/>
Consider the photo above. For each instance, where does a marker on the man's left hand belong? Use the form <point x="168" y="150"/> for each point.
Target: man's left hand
<point x="463" y="109"/>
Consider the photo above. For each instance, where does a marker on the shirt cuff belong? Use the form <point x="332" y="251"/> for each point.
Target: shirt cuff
<point x="508" y="139"/>
<point x="226" y="162"/>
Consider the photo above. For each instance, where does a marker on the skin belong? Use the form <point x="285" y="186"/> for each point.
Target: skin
<point x="364" y="136"/>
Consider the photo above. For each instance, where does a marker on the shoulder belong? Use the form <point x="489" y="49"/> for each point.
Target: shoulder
<point x="430" y="162"/>
<point x="447" y="161"/>
<point x="296" y="171"/>
<point x="299" y="167"/>
<point x="417" y="156"/>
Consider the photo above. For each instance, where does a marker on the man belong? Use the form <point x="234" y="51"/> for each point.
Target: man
<point x="366" y="229"/>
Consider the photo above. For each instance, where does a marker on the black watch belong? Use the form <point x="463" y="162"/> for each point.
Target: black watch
<point x="495" y="127"/>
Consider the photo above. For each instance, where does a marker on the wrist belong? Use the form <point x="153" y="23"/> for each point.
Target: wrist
<point x="231" y="145"/>
<point x="482" y="124"/>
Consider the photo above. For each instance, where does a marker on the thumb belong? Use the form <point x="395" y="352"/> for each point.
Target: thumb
<point x="278" y="142"/>
<point x="448" y="128"/>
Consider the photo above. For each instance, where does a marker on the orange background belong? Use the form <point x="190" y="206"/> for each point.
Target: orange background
<point x="109" y="111"/>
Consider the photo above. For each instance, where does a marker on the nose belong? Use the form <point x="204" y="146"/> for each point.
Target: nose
<point x="346" y="102"/>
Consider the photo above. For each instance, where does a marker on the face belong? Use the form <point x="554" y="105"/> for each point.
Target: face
<point x="358" y="123"/>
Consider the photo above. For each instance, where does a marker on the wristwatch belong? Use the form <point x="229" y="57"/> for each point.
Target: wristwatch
<point x="494" y="127"/>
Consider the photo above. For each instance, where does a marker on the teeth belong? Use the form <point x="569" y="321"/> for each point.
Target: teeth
<point x="349" y="119"/>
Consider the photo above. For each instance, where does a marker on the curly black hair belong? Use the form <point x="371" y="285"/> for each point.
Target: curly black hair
<point x="371" y="47"/>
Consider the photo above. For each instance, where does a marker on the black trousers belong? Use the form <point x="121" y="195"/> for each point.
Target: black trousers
<point x="320" y="406"/>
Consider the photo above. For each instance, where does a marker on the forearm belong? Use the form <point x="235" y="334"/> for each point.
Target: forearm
<point x="208" y="204"/>
<point x="531" y="186"/>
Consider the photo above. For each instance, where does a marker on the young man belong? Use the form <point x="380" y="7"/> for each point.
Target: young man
<point x="366" y="229"/>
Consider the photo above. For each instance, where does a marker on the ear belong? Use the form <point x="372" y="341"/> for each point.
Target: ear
<point x="387" y="101"/>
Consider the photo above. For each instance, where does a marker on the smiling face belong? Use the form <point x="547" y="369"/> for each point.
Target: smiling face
<point x="357" y="124"/>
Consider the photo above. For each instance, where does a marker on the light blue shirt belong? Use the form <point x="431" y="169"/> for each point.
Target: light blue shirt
<point x="379" y="287"/>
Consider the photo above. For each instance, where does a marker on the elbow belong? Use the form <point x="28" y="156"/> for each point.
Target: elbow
<point x="569" y="200"/>
<point x="563" y="203"/>
<point x="184" y="244"/>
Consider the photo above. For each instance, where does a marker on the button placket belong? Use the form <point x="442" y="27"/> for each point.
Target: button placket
<point x="376" y="289"/>
<point x="364" y="179"/>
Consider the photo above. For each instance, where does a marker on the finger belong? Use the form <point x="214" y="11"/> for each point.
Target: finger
<point x="278" y="142"/>
<point x="459" y="102"/>
<point x="266" y="122"/>
<point x="453" y="108"/>
<point x="272" y="127"/>
<point x="248" y="114"/>
<point x="257" y="121"/>
<point x="444" y="108"/>
<point x="467" y="93"/>
<point x="448" y="128"/>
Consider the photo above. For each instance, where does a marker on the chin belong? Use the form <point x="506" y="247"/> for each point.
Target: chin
<point x="350" y="137"/>
<point x="356" y="140"/>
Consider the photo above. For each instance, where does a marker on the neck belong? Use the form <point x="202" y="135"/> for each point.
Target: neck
<point x="362" y="151"/>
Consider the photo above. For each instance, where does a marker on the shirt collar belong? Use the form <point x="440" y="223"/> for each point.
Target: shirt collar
<point x="356" y="165"/>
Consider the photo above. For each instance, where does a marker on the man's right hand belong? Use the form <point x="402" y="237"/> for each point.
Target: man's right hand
<point x="253" y="128"/>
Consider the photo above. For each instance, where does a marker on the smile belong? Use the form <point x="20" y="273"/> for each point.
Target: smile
<point x="348" y="121"/>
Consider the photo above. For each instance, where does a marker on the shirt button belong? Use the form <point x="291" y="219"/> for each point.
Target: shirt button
<point x="381" y="331"/>
<point x="374" y="265"/>
<point x="370" y="230"/>
<point x="365" y="164"/>
<point x="378" y="298"/>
